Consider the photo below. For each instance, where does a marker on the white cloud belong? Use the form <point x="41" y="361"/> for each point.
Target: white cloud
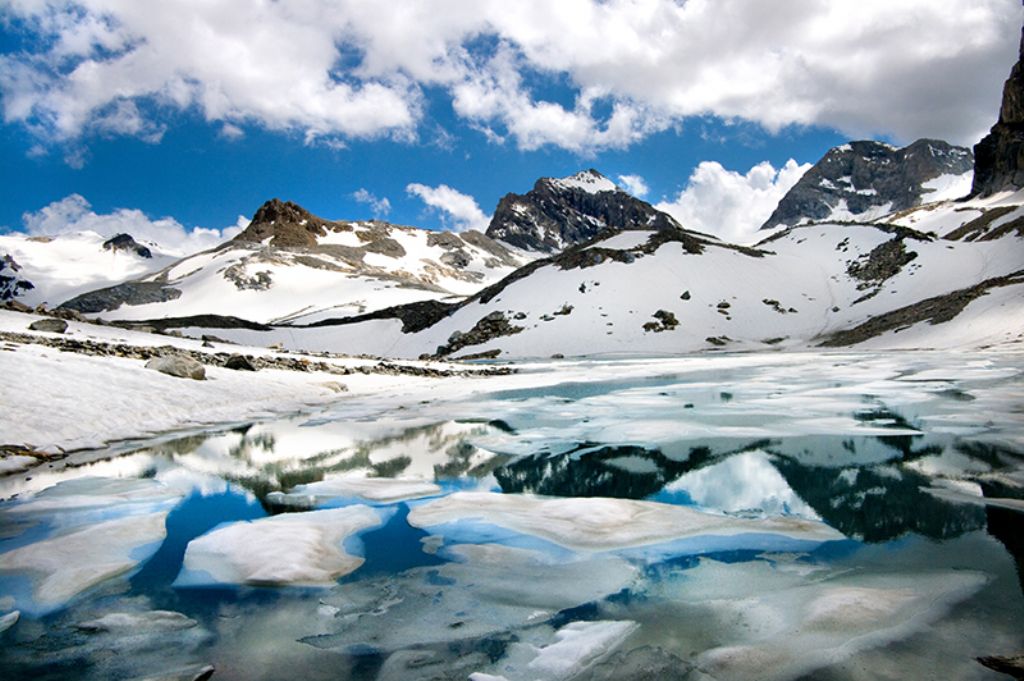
<point x="74" y="214"/>
<point x="459" y="211"/>
<point x="635" y="185"/>
<point x="729" y="204"/>
<point x="331" y="70"/>
<point x="379" y="207"/>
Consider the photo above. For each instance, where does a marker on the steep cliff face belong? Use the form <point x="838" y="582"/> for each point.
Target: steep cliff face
<point x="999" y="163"/>
<point x="558" y="213"/>
<point x="862" y="181"/>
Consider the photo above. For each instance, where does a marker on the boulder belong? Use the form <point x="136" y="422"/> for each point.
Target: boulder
<point x="179" y="366"/>
<point x="239" y="363"/>
<point x="50" y="325"/>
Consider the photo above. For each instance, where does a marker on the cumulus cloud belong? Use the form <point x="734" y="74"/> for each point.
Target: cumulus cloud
<point x="380" y="207"/>
<point x="332" y="70"/>
<point x="74" y="214"/>
<point x="729" y="204"/>
<point x="459" y="211"/>
<point x="635" y="185"/>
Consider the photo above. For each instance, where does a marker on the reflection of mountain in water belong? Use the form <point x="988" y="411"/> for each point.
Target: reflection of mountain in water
<point x="878" y="504"/>
<point x="253" y="458"/>
<point x="589" y="470"/>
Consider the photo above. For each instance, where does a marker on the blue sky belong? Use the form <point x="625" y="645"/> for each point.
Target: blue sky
<point x="180" y="112"/>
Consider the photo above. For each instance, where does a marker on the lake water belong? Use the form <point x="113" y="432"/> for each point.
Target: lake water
<point x="843" y="516"/>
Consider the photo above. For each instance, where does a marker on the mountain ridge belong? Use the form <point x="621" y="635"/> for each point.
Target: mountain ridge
<point x="865" y="180"/>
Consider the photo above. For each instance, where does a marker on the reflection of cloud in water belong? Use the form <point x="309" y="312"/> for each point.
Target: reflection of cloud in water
<point x="743" y="482"/>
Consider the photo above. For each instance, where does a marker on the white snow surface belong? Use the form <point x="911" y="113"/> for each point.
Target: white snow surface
<point x="61" y="267"/>
<point x="102" y="399"/>
<point x="292" y="548"/>
<point x="308" y="285"/>
<point x="948" y="187"/>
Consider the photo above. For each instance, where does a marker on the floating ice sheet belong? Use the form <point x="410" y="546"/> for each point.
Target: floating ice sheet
<point x="600" y="524"/>
<point x="293" y="548"/>
<point x="65" y="565"/>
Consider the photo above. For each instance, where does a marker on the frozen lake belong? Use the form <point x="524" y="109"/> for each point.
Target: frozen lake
<point x="764" y="516"/>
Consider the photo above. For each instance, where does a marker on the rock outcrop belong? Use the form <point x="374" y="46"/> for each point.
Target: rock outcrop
<point x="287" y="225"/>
<point x="999" y="156"/>
<point x="127" y="244"/>
<point x="866" y="180"/>
<point x="558" y="213"/>
<point x="12" y="284"/>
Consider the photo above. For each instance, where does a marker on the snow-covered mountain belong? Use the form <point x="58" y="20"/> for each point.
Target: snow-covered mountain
<point x="651" y="292"/>
<point x="290" y="265"/>
<point x="863" y="181"/>
<point x="558" y="213"/>
<point x="52" y="269"/>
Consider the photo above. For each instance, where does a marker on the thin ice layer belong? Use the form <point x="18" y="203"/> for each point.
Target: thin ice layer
<point x="775" y="624"/>
<point x="599" y="524"/>
<point x="384" y="490"/>
<point x="294" y="548"/>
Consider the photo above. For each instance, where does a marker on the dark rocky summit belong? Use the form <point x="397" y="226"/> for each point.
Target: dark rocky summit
<point x="556" y="213"/>
<point x="11" y="283"/>
<point x="287" y="225"/>
<point x="868" y="176"/>
<point x="1000" y="154"/>
<point x="126" y="243"/>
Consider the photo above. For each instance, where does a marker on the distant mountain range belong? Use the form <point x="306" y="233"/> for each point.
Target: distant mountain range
<point x="874" y="246"/>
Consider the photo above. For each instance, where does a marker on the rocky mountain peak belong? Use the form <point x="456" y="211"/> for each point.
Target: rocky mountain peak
<point x="286" y="224"/>
<point x="865" y="180"/>
<point x="590" y="181"/>
<point x="999" y="163"/>
<point x="127" y="244"/>
<point x="561" y="212"/>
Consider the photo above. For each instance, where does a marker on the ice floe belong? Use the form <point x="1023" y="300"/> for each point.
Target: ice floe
<point x="293" y="548"/>
<point x="65" y="565"/>
<point x="600" y="524"/>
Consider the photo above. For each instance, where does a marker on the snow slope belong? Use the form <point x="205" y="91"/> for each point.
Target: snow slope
<point x="64" y="266"/>
<point x="633" y="295"/>
<point x="360" y="267"/>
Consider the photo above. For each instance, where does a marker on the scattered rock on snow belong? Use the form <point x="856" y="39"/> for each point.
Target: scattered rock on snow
<point x="239" y="363"/>
<point x="178" y="365"/>
<point x="49" y="325"/>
